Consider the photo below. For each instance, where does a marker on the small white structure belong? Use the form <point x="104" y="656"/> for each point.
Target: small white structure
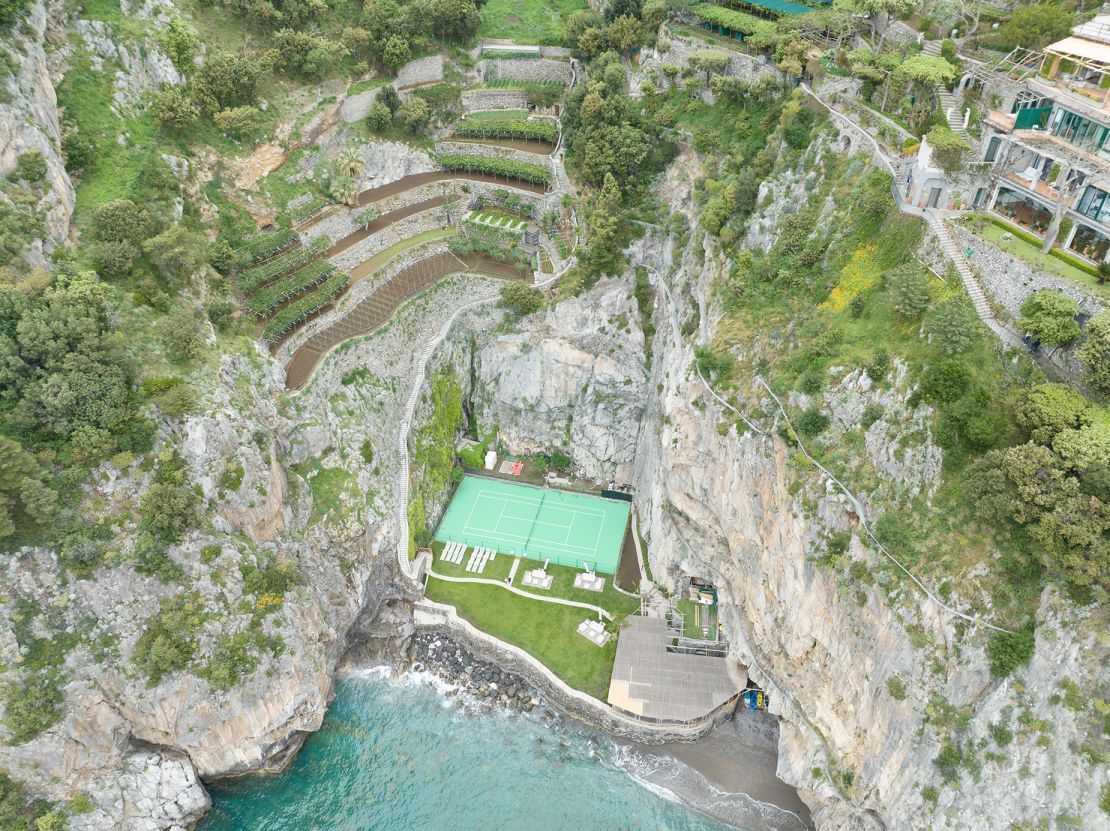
<point x="491" y="459"/>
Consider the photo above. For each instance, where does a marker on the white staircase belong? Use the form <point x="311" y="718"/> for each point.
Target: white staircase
<point x="956" y="115"/>
<point x="931" y="48"/>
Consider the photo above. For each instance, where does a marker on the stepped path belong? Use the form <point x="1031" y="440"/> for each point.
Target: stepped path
<point x="950" y="106"/>
<point x="937" y="223"/>
<point x="373" y="311"/>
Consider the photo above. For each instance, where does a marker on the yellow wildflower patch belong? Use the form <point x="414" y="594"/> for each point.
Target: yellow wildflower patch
<point x="267" y="600"/>
<point x="857" y="277"/>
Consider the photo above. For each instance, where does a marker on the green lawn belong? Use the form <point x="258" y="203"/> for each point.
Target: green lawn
<point x="1032" y="254"/>
<point x="530" y="21"/>
<point x="545" y="630"/>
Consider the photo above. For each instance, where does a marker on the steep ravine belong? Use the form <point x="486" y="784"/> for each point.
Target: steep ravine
<point x="728" y="507"/>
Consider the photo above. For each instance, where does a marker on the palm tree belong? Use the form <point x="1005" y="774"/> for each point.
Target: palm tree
<point x="1103" y="272"/>
<point x="343" y="190"/>
<point x="349" y="163"/>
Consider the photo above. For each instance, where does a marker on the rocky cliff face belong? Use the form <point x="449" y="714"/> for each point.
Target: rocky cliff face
<point x="138" y="748"/>
<point x="866" y="673"/>
<point x="572" y="379"/>
<point x="29" y="122"/>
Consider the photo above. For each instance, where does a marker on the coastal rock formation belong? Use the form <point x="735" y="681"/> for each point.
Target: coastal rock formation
<point x="863" y="670"/>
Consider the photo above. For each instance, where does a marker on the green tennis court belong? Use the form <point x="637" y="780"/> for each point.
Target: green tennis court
<point x="570" y="529"/>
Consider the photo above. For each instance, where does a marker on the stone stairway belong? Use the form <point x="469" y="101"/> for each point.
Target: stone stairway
<point x="950" y="105"/>
<point x="931" y="48"/>
<point x="970" y="282"/>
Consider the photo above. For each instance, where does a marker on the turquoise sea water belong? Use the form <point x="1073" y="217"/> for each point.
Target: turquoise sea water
<point x="397" y="753"/>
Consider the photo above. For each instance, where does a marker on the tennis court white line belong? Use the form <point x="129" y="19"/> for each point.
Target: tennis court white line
<point x="529" y="500"/>
<point x="565" y="549"/>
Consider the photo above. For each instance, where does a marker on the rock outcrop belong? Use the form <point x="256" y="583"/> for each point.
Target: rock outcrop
<point x="571" y="378"/>
<point x="29" y="122"/>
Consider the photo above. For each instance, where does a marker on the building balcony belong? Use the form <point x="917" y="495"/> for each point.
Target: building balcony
<point x="1000" y="121"/>
<point x="1036" y="187"/>
<point x="1079" y="96"/>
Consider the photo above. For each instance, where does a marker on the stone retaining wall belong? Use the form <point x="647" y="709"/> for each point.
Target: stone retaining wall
<point x="494" y="99"/>
<point x="490" y="151"/>
<point x="540" y="69"/>
<point x="355" y="107"/>
<point x="379" y="241"/>
<point x="1009" y="280"/>
<point x="421" y="71"/>
<point x="437" y="617"/>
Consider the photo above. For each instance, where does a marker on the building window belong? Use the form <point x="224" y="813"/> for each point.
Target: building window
<point x="1095" y="204"/>
<point x="992" y="149"/>
<point x="978" y="198"/>
<point x="1080" y="131"/>
<point x="1089" y="243"/>
<point x="1023" y="211"/>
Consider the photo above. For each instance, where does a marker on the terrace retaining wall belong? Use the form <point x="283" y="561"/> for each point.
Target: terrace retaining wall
<point x="355" y="107"/>
<point x="494" y="99"/>
<point x="421" y="71"/>
<point x="540" y="69"/>
<point x="490" y="151"/>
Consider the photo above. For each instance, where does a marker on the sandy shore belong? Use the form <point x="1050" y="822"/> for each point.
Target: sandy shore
<point x="729" y="774"/>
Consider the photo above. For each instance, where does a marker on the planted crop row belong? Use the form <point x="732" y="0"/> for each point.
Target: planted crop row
<point x="251" y="279"/>
<point x="266" y="301"/>
<point x="266" y="245"/>
<point x="746" y="24"/>
<point x="532" y="84"/>
<point x="295" y="313"/>
<point x="507" y="127"/>
<point x="509" y="168"/>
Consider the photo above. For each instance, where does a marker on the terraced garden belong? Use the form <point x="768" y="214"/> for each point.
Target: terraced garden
<point x="506" y="125"/>
<point x="284" y="283"/>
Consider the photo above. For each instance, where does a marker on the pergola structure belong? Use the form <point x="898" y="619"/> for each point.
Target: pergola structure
<point x="1088" y="50"/>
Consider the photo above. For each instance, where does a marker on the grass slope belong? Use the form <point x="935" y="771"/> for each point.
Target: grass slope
<point x="532" y="21"/>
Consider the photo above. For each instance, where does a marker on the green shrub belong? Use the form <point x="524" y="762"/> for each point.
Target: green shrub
<point x="520" y="298"/>
<point x="945" y="381"/>
<point x="232" y="477"/>
<point x="949" y="761"/>
<point x="812" y="382"/>
<point x="1001" y="734"/>
<point x="878" y="366"/>
<point x="366" y="450"/>
<point x="560" y="461"/>
<point x="150" y="558"/>
<point x="32" y="703"/>
<point x="896" y="687"/>
<point x="871" y="413"/>
<point x="812" y="422"/>
<point x="168" y="511"/>
<point x="716" y="367"/>
<point x="1008" y="651"/>
<point x="31" y="167"/>
<point x="168" y="642"/>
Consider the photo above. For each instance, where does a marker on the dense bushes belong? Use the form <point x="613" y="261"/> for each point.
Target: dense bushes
<point x="1008" y="651"/>
<point x="169" y="641"/>
<point x="32" y="703"/>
